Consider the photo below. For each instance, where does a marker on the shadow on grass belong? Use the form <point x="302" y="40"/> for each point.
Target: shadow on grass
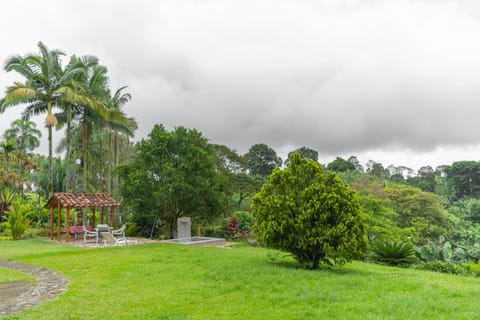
<point x="286" y="260"/>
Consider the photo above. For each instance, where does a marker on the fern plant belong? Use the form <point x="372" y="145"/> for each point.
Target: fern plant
<point x="393" y="253"/>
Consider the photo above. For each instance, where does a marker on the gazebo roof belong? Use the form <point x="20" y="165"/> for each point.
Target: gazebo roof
<point x="81" y="200"/>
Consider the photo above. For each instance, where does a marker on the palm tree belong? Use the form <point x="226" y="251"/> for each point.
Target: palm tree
<point x="8" y="153"/>
<point x="70" y="111"/>
<point x="118" y="124"/>
<point x="26" y="136"/>
<point x="46" y="85"/>
<point x="95" y="85"/>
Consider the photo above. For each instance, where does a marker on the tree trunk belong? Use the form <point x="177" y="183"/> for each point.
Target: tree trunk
<point x="84" y="155"/>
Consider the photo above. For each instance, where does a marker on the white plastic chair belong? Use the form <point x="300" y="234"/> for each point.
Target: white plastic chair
<point x="119" y="232"/>
<point x="110" y="240"/>
<point x="89" y="235"/>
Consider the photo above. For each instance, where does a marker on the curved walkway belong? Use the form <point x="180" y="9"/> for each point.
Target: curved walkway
<point x="20" y="295"/>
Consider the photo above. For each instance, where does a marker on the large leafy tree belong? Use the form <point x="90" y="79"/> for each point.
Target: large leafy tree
<point x="46" y="85"/>
<point x="304" y="152"/>
<point x="420" y="211"/>
<point x="341" y="165"/>
<point x="239" y="185"/>
<point x="171" y="175"/>
<point x="261" y="159"/>
<point x="313" y="216"/>
<point x="463" y="178"/>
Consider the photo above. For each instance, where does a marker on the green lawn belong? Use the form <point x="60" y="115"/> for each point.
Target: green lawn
<point x="171" y="281"/>
<point x="10" y="275"/>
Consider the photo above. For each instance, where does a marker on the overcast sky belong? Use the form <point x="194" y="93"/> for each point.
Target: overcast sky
<point x="393" y="81"/>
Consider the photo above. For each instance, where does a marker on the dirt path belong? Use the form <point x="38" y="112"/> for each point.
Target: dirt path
<point x="20" y="295"/>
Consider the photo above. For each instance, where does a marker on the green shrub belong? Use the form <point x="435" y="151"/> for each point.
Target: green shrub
<point x="393" y="253"/>
<point x="18" y="219"/>
<point x="245" y="220"/>
<point x="313" y="216"/>
<point x="440" y="266"/>
<point x="131" y="229"/>
<point x="472" y="268"/>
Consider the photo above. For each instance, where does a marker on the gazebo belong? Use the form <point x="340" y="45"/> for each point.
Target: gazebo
<point x="62" y="200"/>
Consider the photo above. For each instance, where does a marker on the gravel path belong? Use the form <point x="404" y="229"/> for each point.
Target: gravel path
<point x="20" y="295"/>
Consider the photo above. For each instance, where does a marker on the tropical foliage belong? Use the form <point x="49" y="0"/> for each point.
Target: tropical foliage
<point x="394" y="253"/>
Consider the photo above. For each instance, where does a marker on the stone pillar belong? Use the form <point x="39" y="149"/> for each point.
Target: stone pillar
<point x="184" y="227"/>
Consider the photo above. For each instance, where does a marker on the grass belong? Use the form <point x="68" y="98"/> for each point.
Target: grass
<point x="171" y="281"/>
<point x="10" y="275"/>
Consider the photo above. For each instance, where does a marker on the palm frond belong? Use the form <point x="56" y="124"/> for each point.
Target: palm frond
<point x="20" y="93"/>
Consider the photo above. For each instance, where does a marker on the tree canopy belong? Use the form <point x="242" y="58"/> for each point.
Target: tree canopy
<point x="171" y="175"/>
<point x="261" y="159"/>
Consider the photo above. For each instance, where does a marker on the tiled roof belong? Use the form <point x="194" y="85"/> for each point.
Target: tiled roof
<point x="81" y="200"/>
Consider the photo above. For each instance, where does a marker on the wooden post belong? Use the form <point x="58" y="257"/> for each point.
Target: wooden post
<point x="112" y="210"/>
<point x="103" y="216"/>
<point x="59" y="221"/>
<point x="94" y="218"/>
<point x="50" y="219"/>
<point x="67" y="224"/>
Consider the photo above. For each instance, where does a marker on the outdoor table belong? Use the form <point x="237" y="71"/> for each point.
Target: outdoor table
<point x="74" y="230"/>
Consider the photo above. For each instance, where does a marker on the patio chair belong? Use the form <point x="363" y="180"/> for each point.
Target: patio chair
<point x="119" y="232"/>
<point x="89" y="234"/>
<point x="110" y="240"/>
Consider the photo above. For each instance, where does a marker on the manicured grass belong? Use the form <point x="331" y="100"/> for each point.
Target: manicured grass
<point x="171" y="281"/>
<point x="10" y="275"/>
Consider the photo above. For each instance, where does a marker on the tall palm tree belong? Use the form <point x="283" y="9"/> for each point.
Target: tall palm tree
<point x="70" y="110"/>
<point x="95" y="84"/>
<point x="25" y="135"/>
<point x="118" y="124"/>
<point x="45" y="86"/>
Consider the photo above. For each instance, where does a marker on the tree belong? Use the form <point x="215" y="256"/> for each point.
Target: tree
<point x="314" y="217"/>
<point x="380" y="218"/>
<point x="73" y="110"/>
<point x="340" y="165"/>
<point x="379" y="171"/>
<point x="426" y="181"/>
<point x="25" y="136"/>
<point x="239" y="185"/>
<point x="463" y="177"/>
<point x="305" y="152"/>
<point x="46" y="84"/>
<point x="356" y="163"/>
<point x="421" y="211"/>
<point x="261" y="159"/>
<point x="171" y="175"/>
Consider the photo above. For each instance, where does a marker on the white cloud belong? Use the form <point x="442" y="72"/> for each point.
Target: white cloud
<point x="358" y="77"/>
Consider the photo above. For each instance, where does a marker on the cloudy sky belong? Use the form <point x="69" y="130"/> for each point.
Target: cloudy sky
<point x="394" y="81"/>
